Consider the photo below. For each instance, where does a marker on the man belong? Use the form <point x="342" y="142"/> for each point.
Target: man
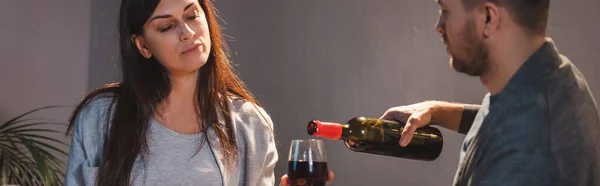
<point x="539" y="123"/>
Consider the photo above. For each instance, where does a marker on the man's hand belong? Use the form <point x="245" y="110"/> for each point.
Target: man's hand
<point x="445" y="114"/>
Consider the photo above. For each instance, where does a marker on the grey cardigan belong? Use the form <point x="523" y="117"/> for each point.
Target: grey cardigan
<point x="253" y="129"/>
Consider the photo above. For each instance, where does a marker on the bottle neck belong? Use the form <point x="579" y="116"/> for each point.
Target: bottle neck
<point x="329" y="130"/>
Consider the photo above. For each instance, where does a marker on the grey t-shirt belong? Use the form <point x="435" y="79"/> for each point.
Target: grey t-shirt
<point x="543" y="128"/>
<point x="252" y="127"/>
<point x="173" y="159"/>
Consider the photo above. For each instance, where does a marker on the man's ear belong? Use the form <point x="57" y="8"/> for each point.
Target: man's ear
<point x="492" y="18"/>
<point x="141" y="45"/>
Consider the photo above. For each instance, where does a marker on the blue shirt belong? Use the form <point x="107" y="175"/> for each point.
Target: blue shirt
<point x="543" y="128"/>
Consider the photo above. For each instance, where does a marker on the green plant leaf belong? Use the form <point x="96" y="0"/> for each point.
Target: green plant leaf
<point x="39" y="160"/>
<point x="34" y="130"/>
<point x="46" y="144"/>
<point x="27" y="155"/>
<point x="52" y="161"/>
<point x="27" y="113"/>
<point x="42" y="165"/>
<point x="18" y="160"/>
<point x="25" y="173"/>
<point x="12" y="129"/>
<point x="9" y="150"/>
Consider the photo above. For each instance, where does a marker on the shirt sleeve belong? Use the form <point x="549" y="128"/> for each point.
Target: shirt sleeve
<point x="467" y="118"/>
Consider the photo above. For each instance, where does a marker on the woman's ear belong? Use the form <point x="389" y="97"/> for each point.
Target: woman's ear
<point x="141" y="45"/>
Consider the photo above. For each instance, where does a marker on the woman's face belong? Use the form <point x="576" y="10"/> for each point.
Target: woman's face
<point x="177" y="35"/>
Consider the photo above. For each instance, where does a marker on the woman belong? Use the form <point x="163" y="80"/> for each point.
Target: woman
<point x="180" y="116"/>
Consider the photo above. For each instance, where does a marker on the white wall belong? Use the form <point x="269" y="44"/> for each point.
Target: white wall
<point x="104" y="47"/>
<point x="44" y="56"/>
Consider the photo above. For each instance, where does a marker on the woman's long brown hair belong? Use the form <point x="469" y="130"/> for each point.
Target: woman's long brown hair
<point x="145" y="83"/>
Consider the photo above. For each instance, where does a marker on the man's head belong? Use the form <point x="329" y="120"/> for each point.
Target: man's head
<point x="470" y="27"/>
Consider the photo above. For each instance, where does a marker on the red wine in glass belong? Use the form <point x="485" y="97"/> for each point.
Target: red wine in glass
<point x="307" y="163"/>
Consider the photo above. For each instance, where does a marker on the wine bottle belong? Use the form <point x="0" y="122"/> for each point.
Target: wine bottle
<point x="381" y="137"/>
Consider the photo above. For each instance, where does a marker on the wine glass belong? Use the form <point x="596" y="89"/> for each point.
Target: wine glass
<point x="307" y="163"/>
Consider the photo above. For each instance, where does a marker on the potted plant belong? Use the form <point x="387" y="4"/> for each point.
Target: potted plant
<point x="26" y="156"/>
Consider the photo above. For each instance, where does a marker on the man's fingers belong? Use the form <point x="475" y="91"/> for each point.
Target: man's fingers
<point x="415" y="121"/>
<point x="388" y="115"/>
<point x="396" y="114"/>
<point x="406" y="135"/>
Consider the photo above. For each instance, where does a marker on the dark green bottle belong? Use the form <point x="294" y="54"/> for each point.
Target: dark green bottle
<point x="377" y="136"/>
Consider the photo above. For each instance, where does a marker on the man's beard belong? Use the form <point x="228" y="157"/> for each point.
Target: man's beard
<point x="476" y="63"/>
